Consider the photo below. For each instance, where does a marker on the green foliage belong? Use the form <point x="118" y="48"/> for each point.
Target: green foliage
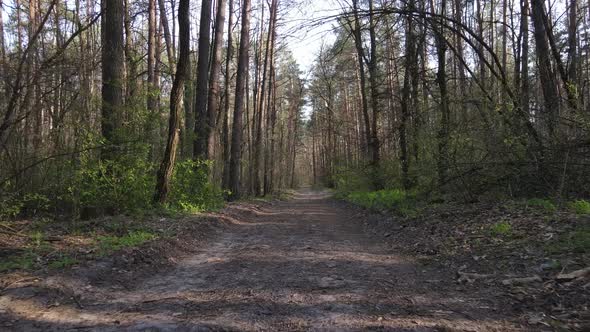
<point x="577" y="241"/>
<point x="63" y="262"/>
<point x="384" y="200"/>
<point x="125" y="184"/>
<point x="501" y="228"/>
<point x="29" y="204"/>
<point x="10" y="207"/>
<point x="580" y="206"/>
<point x="543" y="204"/>
<point x="107" y="244"/>
<point x="191" y="190"/>
<point x="347" y="181"/>
<point x="22" y="262"/>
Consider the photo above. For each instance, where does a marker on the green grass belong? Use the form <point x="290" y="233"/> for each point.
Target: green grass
<point x="107" y="244"/>
<point x="384" y="200"/>
<point x="63" y="262"/>
<point x="501" y="228"/>
<point x="580" y="206"/>
<point x="18" y="262"/>
<point x="542" y="204"/>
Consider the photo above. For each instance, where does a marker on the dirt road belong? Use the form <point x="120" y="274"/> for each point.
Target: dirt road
<point x="304" y="264"/>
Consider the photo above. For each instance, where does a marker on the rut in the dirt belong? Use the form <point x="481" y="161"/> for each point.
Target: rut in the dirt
<point x="303" y="264"/>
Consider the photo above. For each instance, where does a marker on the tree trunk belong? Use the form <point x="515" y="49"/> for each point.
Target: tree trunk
<point x="524" y="75"/>
<point x="113" y="69"/>
<point x="226" y="118"/>
<point x="441" y="78"/>
<point x="176" y="95"/>
<point x="237" y="127"/>
<point x="547" y="77"/>
<point x="201" y="119"/>
<point x="373" y="71"/>
<point x="356" y="30"/>
<point x="213" y="103"/>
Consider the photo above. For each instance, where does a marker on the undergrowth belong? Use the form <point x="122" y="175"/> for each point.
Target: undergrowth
<point x="502" y="228"/>
<point x="108" y="244"/>
<point x="577" y="241"/>
<point x="580" y="206"/>
<point x="544" y="205"/>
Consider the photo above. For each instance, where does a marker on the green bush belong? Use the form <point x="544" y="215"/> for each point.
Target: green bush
<point x="191" y="190"/>
<point x="383" y="200"/>
<point x="501" y="228"/>
<point x="347" y="181"/>
<point x="126" y="185"/>
<point x="30" y="204"/>
<point x="543" y="204"/>
<point x="580" y="206"/>
<point x="577" y="241"/>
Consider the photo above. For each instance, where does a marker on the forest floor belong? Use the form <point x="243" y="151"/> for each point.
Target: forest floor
<point x="307" y="263"/>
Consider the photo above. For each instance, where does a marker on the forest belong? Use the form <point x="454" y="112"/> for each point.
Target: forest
<point x="465" y="123"/>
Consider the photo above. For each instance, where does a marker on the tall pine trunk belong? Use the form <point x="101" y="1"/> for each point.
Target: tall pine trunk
<point x="176" y="96"/>
<point x="237" y="126"/>
<point x="201" y="119"/>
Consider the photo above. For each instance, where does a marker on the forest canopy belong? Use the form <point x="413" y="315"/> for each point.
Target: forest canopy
<point x="118" y="106"/>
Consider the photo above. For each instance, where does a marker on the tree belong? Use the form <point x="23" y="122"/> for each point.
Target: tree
<point x="176" y="96"/>
<point x="113" y="69"/>
<point x="202" y="121"/>
<point x="242" y="73"/>
<point x="214" y="85"/>
<point x="226" y="112"/>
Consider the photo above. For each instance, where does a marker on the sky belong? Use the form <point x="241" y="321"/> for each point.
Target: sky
<point x="306" y="28"/>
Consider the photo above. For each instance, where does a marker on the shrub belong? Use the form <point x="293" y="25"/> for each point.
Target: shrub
<point x="125" y="184"/>
<point x="580" y="206"/>
<point x="543" y="204"/>
<point x="577" y="241"/>
<point x="191" y="190"/>
<point x="347" y="181"/>
<point x="18" y="205"/>
<point x="501" y="228"/>
<point x="383" y="200"/>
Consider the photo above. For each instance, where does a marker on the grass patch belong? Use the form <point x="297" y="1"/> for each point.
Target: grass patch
<point x="501" y="228"/>
<point x="18" y="262"/>
<point x="107" y="244"/>
<point x="542" y="204"/>
<point x="63" y="262"/>
<point x="577" y="241"/>
<point x="384" y="200"/>
<point x="580" y="206"/>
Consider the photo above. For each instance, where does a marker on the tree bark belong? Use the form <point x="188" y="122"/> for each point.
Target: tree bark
<point x="201" y="119"/>
<point x="356" y="30"/>
<point x="547" y="77"/>
<point x="113" y="69"/>
<point x="373" y="71"/>
<point x="214" y="86"/>
<point x="225" y="126"/>
<point x="237" y="127"/>
<point x="176" y="95"/>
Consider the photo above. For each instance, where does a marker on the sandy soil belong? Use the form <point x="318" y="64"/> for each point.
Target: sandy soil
<point x="298" y="265"/>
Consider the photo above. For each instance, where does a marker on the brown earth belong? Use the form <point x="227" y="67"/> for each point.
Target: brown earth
<point x="309" y="263"/>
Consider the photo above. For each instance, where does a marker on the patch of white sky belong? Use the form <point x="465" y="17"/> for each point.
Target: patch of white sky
<point x="306" y="26"/>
